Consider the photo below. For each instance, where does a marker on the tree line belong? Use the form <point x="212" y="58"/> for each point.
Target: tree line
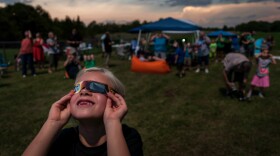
<point x="16" y="18"/>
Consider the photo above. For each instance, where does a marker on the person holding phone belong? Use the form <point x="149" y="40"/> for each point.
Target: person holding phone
<point x="98" y="104"/>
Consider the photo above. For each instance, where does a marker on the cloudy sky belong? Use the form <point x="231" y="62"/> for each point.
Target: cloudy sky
<point x="207" y="13"/>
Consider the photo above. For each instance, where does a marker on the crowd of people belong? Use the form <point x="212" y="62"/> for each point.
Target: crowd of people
<point x="34" y="53"/>
<point x="97" y="101"/>
<point x="237" y="54"/>
<point x="234" y="53"/>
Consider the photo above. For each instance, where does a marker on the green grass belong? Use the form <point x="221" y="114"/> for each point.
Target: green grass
<point x="188" y="116"/>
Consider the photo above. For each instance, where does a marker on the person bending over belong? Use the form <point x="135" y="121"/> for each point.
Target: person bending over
<point x="236" y="70"/>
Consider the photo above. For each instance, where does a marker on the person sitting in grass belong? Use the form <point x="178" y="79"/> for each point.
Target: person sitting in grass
<point x="98" y="104"/>
<point x="145" y="57"/>
<point x="72" y="66"/>
<point x="236" y="69"/>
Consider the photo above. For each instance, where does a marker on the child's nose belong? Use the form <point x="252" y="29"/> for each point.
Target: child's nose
<point x="84" y="92"/>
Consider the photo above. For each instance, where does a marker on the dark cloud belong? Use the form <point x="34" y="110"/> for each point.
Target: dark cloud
<point x="206" y="2"/>
<point x="16" y="1"/>
<point x="231" y="18"/>
<point x="251" y="16"/>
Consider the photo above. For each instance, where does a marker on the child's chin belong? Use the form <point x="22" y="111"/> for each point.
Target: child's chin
<point x="87" y="117"/>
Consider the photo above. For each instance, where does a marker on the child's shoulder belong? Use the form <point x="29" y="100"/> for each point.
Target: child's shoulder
<point x="130" y="132"/>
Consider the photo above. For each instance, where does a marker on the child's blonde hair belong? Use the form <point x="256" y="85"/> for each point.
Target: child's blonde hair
<point x="116" y="83"/>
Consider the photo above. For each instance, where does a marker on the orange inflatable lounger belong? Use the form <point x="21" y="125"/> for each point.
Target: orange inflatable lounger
<point x="156" y="67"/>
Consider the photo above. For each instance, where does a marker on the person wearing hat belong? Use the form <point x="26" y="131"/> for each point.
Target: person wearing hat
<point x="236" y="69"/>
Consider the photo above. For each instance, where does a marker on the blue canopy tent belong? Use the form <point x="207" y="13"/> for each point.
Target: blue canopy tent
<point x="221" y="32"/>
<point x="167" y="25"/>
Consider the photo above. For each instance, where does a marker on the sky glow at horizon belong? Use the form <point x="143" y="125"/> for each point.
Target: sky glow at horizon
<point x="207" y="13"/>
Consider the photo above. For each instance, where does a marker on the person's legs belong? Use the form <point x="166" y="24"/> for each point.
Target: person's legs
<point x="249" y="94"/>
<point x="199" y="63"/>
<point x="219" y="54"/>
<point x="163" y="55"/>
<point x="180" y="69"/>
<point x="261" y="93"/>
<point x="31" y="63"/>
<point x="56" y="61"/>
<point x="206" y="63"/>
<point x="107" y="58"/>
<point x="24" y="64"/>
<point x="239" y="77"/>
<point x="51" y="64"/>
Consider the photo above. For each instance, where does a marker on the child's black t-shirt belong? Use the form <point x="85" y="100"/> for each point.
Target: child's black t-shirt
<point x="67" y="143"/>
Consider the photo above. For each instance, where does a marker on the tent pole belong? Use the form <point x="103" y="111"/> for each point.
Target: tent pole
<point x="148" y="41"/>
<point x="138" y="41"/>
<point x="197" y="34"/>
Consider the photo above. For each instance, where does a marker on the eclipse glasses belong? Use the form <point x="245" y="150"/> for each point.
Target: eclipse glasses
<point x="93" y="86"/>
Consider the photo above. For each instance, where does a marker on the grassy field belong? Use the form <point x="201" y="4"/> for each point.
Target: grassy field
<point x="175" y="116"/>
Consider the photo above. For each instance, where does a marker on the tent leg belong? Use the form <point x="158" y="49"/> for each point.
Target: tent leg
<point x="138" y="41"/>
<point x="148" y="41"/>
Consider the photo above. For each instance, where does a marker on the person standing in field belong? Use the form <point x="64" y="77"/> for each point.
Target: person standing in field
<point x="213" y="50"/>
<point x="74" y="40"/>
<point x="179" y="58"/>
<point x="38" y="53"/>
<point x="251" y="45"/>
<point x="108" y="48"/>
<point x="53" y="52"/>
<point x="26" y="54"/>
<point x="220" y="41"/>
<point x="261" y="78"/>
<point x="160" y="41"/>
<point x="102" y="38"/>
<point x="188" y="58"/>
<point x="202" y="44"/>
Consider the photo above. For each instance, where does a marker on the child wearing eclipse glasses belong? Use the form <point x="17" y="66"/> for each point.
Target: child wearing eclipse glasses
<point x="97" y="103"/>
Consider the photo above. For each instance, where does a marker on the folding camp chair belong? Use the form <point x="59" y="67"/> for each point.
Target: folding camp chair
<point x="121" y="50"/>
<point x="3" y="63"/>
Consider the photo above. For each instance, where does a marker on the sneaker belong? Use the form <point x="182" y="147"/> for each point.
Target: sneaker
<point x="261" y="95"/>
<point x="23" y="76"/>
<point x="206" y="71"/>
<point x="249" y="94"/>
<point x="197" y="70"/>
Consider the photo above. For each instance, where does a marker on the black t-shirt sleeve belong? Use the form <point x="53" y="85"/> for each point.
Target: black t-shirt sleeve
<point x="133" y="140"/>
